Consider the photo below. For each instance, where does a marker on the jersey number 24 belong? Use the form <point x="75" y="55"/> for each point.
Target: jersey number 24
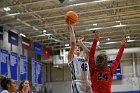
<point x="102" y="76"/>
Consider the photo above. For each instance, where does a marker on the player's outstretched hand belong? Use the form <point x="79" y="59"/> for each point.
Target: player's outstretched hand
<point x="97" y="35"/>
<point x="124" y="40"/>
<point x="71" y="27"/>
<point x="80" y="39"/>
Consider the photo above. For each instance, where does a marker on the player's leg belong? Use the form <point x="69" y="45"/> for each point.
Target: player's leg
<point x="81" y="87"/>
<point x="74" y="88"/>
<point x="77" y="88"/>
<point x="88" y="87"/>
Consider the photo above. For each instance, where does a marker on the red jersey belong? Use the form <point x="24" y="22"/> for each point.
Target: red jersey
<point x="22" y="91"/>
<point x="102" y="79"/>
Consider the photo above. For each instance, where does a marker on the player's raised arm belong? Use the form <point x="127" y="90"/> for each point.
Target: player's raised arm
<point x="85" y="49"/>
<point x="96" y="38"/>
<point x="119" y="54"/>
<point x="72" y="42"/>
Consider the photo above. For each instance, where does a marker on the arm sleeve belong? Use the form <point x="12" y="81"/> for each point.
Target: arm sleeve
<point x="116" y="62"/>
<point x="91" y="56"/>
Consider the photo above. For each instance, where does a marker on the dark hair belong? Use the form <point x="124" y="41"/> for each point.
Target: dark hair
<point x="20" y="85"/>
<point x="101" y="60"/>
<point x="4" y="81"/>
<point x="1" y="76"/>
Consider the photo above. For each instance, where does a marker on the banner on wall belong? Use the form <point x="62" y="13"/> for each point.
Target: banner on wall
<point x="23" y="67"/>
<point x="39" y="72"/>
<point x="36" y="72"/>
<point x="1" y="33"/>
<point x="14" y="65"/>
<point x="0" y="61"/>
<point x="34" y="78"/>
<point x="37" y="48"/>
<point x="46" y="52"/>
<point x="4" y="62"/>
<point x="26" y="43"/>
<point x="13" y="38"/>
<point x="117" y="75"/>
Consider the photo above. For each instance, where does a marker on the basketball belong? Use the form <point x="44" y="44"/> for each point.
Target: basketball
<point x="71" y="17"/>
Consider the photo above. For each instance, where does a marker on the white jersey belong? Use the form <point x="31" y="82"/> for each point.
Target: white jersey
<point x="79" y="68"/>
<point x="80" y="75"/>
<point x="4" y="91"/>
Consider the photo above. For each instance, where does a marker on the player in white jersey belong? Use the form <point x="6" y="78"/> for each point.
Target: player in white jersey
<point x="78" y="65"/>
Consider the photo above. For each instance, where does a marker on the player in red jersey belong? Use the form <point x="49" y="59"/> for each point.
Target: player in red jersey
<point x="101" y="74"/>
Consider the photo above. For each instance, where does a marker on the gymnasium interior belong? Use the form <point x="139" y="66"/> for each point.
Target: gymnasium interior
<point x="35" y="40"/>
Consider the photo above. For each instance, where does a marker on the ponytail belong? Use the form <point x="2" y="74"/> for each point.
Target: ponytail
<point x="4" y="81"/>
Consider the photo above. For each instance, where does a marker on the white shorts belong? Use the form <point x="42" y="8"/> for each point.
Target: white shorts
<point x="81" y="87"/>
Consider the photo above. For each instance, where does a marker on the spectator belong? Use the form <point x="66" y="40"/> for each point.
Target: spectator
<point x="8" y="85"/>
<point x="24" y="87"/>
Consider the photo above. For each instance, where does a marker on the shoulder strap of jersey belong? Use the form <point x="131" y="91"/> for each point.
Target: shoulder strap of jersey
<point x="28" y="92"/>
<point x="20" y="91"/>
